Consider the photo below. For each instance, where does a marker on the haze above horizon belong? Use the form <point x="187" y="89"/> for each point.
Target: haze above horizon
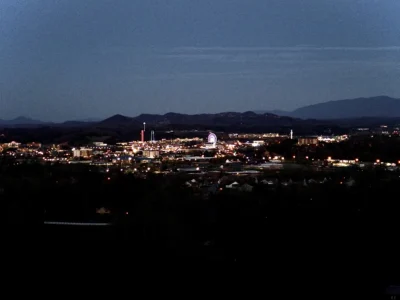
<point x="72" y="59"/>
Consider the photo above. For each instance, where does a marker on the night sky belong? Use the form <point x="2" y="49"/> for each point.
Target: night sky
<point x="77" y="59"/>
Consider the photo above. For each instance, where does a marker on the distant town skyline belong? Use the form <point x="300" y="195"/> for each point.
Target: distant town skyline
<point x="72" y="59"/>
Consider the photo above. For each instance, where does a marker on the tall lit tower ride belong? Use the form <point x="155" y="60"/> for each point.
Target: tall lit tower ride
<point x="142" y="132"/>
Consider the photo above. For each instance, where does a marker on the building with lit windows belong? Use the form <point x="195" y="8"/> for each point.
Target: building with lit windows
<point x="307" y="141"/>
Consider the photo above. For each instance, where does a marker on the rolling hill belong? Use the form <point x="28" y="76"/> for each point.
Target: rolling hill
<point x="21" y="121"/>
<point x="363" y="110"/>
<point x="373" y="107"/>
<point x="378" y="107"/>
<point x="219" y="119"/>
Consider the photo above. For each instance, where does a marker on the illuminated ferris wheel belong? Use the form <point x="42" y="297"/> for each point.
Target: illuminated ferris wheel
<point x="212" y="138"/>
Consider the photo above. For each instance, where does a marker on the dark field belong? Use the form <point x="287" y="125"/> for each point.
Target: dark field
<point x="314" y="239"/>
<point x="304" y="250"/>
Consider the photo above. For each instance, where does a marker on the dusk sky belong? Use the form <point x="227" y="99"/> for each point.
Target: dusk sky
<point x="77" y="59"/>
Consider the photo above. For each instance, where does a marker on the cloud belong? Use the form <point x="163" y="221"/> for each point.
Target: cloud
<point x="207" y="75"/>
<point x="233" y="56"/>
<point x="264" y="63"/>
<point x="295" y="54"/>
<point x="290" y="48"/>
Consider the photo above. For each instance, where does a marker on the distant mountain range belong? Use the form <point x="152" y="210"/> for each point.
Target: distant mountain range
<point x="20" y="121"/>
<point x="227" y="118"/>
<point x="376" y="107"/>
<point x="361" y="108"/>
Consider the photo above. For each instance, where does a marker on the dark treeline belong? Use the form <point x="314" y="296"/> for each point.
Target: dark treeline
<point x="368" y="149"/>
<point x="83" y="134"/>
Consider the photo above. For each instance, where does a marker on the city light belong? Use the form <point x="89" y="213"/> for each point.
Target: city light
<point x="144" y="157"/>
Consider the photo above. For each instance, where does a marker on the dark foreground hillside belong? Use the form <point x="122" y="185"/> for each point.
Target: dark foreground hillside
<point x="304" y="241"/>
<point x="294" y="250"/>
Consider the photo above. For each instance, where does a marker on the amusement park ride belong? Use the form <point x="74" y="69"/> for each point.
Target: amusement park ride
<point x="211" y="141"/>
